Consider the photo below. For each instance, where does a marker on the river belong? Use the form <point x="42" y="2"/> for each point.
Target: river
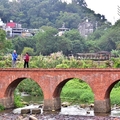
<point x="73" y="112"/>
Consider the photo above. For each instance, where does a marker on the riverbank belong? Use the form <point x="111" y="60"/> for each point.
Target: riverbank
<point x="11" y="116"/>
<point x="66" y="113"/>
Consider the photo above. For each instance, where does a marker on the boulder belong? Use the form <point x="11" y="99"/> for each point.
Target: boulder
<point x="91" y="105"/>
<point x="36" y="111"/>
<point x="32" y="117"/>
<point x="40" y="106"/>
<point x="25" y="103"/>
<point x="82" y="105"/>
<point x="20" y="118"/>
<point x="25" y="111"/>
<point x="65" y="104"/>
<point x="88" y="112"/>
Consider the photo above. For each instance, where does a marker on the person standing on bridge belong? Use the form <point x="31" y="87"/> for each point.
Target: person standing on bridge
<point x="26" y="60"/>
<point x="14" y="58"/>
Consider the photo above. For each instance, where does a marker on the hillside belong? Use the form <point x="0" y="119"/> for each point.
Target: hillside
<point x="37" y="13"/>
<point x="49" y="15"/>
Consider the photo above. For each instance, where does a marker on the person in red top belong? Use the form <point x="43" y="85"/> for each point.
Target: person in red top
<point x="26" y="60"/>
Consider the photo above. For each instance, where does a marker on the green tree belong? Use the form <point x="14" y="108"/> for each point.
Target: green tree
<point x="64" y="44"/>
<point x="18" y="44"/>
<point x="77" y="41"/>
<point x="5" y="45"/>
<point x="29" y="50"/>
<point x="34" y="14"/>
<point x="46" y="40"/>
<point x="92" y="46"/>
<point x="2" y="38"/>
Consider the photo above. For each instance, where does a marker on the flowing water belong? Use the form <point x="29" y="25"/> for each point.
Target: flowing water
<point x="70" y="110"/>
<point x="74" y="109"/>
<point x="73" y="112"/>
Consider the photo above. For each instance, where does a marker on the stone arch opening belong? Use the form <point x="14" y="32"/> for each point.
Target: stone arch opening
<point x="10" y="89"/>
<point x="107" y="99"/>
<point x="59" y="88"/>
<point x="107" y="94"/>
<point x="9" y="92"/>
<point x="113" y="93"/>
<point x="31" y="91"/>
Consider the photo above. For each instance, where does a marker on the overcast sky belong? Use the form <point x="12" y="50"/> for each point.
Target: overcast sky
<point x="109" y="8"/>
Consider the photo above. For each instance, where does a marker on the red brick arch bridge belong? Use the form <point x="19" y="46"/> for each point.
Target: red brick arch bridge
<point x="51" y="81"/>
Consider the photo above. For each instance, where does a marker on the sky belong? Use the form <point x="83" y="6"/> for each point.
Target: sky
<point x="108" y="8"/>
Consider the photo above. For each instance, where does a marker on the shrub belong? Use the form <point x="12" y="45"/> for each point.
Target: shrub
<point x="62" y="66"/>
<point x="114" y="96"/>
<point x="17" y="100"/>
<point x="1" y="107"/>
<point x="87" y="97"/>
<point x="2" y="64"/>
<point x="31" y="87"/>
<point x="1" y="57"/>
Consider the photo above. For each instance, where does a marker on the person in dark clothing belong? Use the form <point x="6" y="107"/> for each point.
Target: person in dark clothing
<point x="26" y="60"/>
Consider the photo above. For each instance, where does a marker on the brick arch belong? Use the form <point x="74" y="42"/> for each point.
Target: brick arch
<point x="57" y="90"/>
<point x="59" y="87"/>
<point x="108" y="91"/>
<point x="63" y="80"/>
<point x="51" y="81"/>
<point x="11" y="87"/>
<point x="8" y="92"/>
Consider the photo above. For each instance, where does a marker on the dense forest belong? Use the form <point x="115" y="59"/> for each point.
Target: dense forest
<point x="37" y="13"/>
<point x="48" y="16"/>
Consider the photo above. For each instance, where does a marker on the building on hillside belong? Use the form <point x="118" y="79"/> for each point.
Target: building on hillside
<point x="26" y="33"/>
<point x="11" y="24"/>
<point x="13" y="29"/>
<point x="62" y="30"/>
<point x="17" y="31"/>
<point x="85" y="28"/>
<point x="7" y="29"/>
